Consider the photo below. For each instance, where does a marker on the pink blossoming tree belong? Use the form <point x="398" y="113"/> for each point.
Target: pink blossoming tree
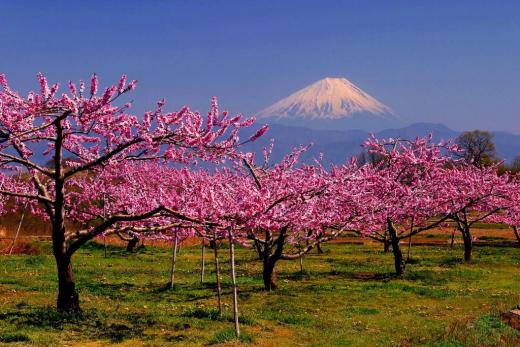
<point x="85" y="133"/>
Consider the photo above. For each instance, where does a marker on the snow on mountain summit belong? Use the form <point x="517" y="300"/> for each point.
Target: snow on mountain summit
<point x="328" y="98"/>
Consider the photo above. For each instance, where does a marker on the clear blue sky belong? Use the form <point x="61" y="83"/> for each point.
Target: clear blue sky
<point x="453" y="62"/>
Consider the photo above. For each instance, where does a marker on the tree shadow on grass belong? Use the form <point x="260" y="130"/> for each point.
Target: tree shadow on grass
<point x="450" y="261"/>
<point x="364" y="275"/>
<point x="212" y="314"/>
<point x="182" y="292"/>
<point x="156" y="292"/>
<point x="92" y="323"/>
<point x="111" y="290"/>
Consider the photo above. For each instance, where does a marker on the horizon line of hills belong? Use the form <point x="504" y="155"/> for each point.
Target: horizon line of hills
<point x="339" y="145"/>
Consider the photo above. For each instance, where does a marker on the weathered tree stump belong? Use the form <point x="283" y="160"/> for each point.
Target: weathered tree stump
<point x="512" y="318"/>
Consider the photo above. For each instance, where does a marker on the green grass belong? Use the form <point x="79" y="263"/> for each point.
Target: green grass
<point x="228" y="335"/>
<point x="347" y="296"/>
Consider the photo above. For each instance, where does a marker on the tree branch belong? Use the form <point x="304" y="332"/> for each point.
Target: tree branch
<point x="27" y="163"/>
<point x="40" y="198"/>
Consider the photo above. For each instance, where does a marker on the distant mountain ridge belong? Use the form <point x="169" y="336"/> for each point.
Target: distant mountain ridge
<point x="339" y="145"/>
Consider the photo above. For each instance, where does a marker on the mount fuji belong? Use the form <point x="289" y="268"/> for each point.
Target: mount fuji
<point x="331" y="103"/>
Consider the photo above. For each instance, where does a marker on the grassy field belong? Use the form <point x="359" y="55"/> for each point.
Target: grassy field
<point x="346" y="296"/>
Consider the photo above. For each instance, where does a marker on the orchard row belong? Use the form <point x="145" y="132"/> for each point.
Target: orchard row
<point x="112" y="172"/>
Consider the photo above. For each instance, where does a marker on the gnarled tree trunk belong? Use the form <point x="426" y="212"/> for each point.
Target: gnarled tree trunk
<point x="465" y="229"/>
<point x="386" y="242"/>
<point x="515" y="230"/>
<point x="258" y="248"/>
<point x="398" y="255"/>
<point x="132" y="243"/>
<point x="468" y="244"/>
<point x="269" y="274"/>
<point x="68" y="298"/>
<point x="271" y="257"/>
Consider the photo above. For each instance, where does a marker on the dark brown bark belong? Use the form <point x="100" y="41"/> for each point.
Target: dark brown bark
<point x="301" y="259"/>
<point x="318" y="245"/>
<point x="258" y="248"/>
<point x="468" y="245"/>
<point x="398" y="255"/>
<point x="465" y="230"/>
<point x="515" y="230"/>
<point x="271" y="257"/>
<point x="386" y="242"/>
<point x="386" y="246"/>
<point x="464" y="226"/>
<point x="269" y="275"/>
<point x="132" y="244"/>
<point x="68" y="298"/>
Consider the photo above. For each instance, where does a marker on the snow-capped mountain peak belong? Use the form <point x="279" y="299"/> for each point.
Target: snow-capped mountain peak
<point x="328" y="98"/>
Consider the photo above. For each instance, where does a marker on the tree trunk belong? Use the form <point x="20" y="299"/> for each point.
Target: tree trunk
<point x="318" y="247"/>
<point x="258" y="248"/>
<point x="386" y="246"/>
<point x="68" y="298"/>
<point x="515" y="230"/>
<point x="269" y="262"/>
<point x="217" y="276"/>
<point x="234" y="284"/>
<point x="398" y="255"/>
<point x="468" y="244"/>
<point x="301" y="259"/>
<point x="271" y="258"/>
<point x="398" y="258"/>
<point x="386" y="243"/>
<point x="174" y="263"/>
<point x="269" y="274"/>
<point x="130" y="246"/>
